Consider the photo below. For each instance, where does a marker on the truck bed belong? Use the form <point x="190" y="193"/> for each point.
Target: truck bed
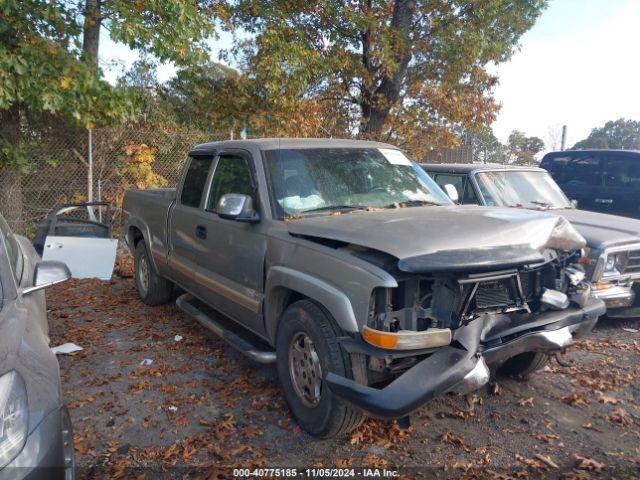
<point x="147" y="210"/>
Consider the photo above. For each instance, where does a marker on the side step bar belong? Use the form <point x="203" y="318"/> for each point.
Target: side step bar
<point x="243" y="346"/>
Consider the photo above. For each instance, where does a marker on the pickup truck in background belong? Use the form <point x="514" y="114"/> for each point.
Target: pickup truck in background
<point x="612" y="260"/>
<point x="342" y="262"/>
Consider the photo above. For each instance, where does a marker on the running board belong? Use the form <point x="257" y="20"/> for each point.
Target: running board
<point x="243" y="346"/>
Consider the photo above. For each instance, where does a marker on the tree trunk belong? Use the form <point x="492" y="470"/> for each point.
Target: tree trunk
<point x="91" y="31"/>
<point x="377" y="105"/>
<point x="10" y="180"/>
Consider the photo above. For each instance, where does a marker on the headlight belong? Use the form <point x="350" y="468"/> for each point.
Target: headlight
<point x="614" y="264"/>
<point x="14" y="416"/>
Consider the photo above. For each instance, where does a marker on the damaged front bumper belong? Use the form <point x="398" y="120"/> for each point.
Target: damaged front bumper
<point x="463" y="365"/>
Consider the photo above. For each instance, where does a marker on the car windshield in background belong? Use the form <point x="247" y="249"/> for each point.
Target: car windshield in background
<point x="526" y="189"/>
<point x="324" y="180"/>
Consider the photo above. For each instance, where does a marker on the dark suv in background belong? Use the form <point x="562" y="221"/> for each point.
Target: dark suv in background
<point x="606" y="181"/>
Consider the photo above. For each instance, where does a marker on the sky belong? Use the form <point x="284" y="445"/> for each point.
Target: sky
<point x="578" y="66"/>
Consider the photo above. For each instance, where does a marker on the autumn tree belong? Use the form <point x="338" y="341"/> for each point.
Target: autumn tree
<point x="522" y="149"/>
<point x="618" y="134"/>
<point x="406" y="70"/>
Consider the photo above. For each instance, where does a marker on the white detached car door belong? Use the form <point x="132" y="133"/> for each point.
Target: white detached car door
<point x="80" y="236"/>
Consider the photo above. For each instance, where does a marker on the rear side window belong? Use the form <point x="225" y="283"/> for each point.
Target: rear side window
<point x="194" y="181"/>
<point x="583" y="171"/>
<point x="14" y="254"/>
<point x="623" y="172"/>
<point x="231" y="176"/>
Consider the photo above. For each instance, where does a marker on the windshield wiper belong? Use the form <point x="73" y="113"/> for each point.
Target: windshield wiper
<point x="411" y="203"/>
<point x="541" y="203"/>
<point x="546" y="205"/>
<point x="334" y="207"/>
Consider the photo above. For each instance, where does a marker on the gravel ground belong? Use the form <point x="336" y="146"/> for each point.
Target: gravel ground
<point x="200" y="406"/>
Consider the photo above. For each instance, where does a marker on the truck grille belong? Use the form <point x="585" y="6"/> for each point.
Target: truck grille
<point x="633" y="265"/>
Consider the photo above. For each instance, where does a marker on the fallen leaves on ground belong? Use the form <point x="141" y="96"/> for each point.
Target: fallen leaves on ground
<point x="575" y="399"/>
<point x="620" y="416"/>
<point x="526" y="402"/>
<point x="586" y="463"/>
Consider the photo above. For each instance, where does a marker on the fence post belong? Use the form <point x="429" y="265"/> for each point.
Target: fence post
<point x="90" y="171"/>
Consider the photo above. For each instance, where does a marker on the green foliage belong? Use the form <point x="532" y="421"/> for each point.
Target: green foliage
<point x="410" y="71"/>
<point x="10" y="156"/>
<point x="44" y="78"/>
<point x="170" y="30"/>
<point x="618" y="134"/>
<point x="41" y="77"/>
<point x="485" y="146"/>
<point x="522" y="149"/>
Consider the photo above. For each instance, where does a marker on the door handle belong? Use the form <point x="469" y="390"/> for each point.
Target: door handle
<point x="201" y="232"/>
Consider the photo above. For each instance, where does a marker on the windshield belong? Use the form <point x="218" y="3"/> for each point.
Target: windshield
<point x="324" y="180"/>
<point x="526" y="189"/>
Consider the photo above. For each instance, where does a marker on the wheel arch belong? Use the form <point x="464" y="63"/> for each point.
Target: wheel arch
<point x="137" y="232"/>
<point x="286" y="286"/>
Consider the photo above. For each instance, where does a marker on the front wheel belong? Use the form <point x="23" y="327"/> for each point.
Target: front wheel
<point x="524" y="364"/>
<point x="307" y="350"/>
<point x="152" y="288"/>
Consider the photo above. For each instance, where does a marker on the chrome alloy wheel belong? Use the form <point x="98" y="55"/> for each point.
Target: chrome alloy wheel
<point x="305" y="369"/>
<point x="143" y="274"/>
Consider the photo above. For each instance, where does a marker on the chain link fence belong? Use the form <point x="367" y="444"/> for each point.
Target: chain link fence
<point x="98" y="165"/>
<point x="101" y="164"/>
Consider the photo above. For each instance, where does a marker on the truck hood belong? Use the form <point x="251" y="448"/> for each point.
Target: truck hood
<point x="601" y="230"/>
<point x="448" y="238"/>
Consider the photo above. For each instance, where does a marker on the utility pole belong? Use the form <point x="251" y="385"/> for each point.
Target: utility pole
<point x="563" y="142"/>
<point x="90" y="172"/>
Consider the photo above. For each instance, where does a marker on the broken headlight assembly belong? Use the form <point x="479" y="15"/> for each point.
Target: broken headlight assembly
<point x="14" y="416"/>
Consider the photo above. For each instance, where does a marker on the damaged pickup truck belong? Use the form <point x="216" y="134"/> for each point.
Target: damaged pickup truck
<point x="346" y="265"/>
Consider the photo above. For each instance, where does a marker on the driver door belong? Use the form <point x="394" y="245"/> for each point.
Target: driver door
<point x="231" y="262"/>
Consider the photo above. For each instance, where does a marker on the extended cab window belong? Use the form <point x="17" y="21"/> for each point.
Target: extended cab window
<point x="194" y="181"/>
<point x="231" y="176"/>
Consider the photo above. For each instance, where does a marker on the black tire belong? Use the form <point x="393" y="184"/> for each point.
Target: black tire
<point x="524" y="364"/>
<point x="331" y="416"/>
<point x="152" y="288"/>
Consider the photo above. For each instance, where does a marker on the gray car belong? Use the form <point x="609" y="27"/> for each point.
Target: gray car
<point x="612" y="259"/>
<point x="344" y="264"/>
<point x="36" y="439"/>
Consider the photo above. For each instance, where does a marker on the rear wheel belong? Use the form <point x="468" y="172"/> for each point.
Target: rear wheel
<point x="152" y="288"/>
<point x="524" y="364"/>
<point x="307" y="350"/>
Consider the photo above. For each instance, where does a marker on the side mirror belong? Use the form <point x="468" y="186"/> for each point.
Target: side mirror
<point x="48" y="273"/>
<point x="452" y="192"/>
<point x="574" y="203"/>
<point x="234" y="206"/>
